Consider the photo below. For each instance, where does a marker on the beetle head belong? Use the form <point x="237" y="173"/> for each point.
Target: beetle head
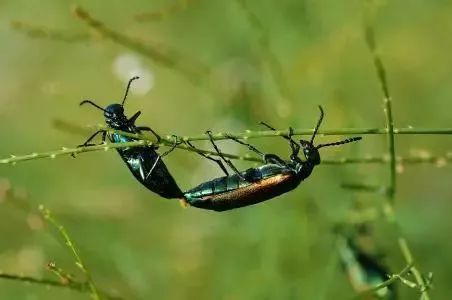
<point x="114" y="113"/>
<point x="311" y="152"/>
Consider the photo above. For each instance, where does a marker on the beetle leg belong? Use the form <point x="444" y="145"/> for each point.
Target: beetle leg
<point x="227" y="161"/>
<point x="176" y="142"/>
<point x="218" y="161"/>
<point x="87" y="142"/>
<point x="251" y="147"/>
<point x="145" y="128"/>
<point x="293" y="145"/>
<point x="104" y="136"/>
<point x="274" y="159"/>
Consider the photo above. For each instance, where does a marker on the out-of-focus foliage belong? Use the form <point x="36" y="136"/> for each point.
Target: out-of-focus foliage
<point x="146" y="247"/>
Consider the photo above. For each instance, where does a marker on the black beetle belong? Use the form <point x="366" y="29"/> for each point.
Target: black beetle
<point x="143" y="161"/>
<point x="262" y="183"/>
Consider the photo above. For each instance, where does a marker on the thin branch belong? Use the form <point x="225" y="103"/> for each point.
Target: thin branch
<point x="388" y="208"/>
<point x="146" y="140"/>
<point x="64" y="277"/>
<point x="364" y="187"/>
<point x="76" y="286"/>
<point x="70" y="127"/>
<point x="73" y="249"/>
<point x="388" y="282"/>
<point x="169" y="58"/>
<point x="381" y="73"/>
<point x="410" y="160"/>
<point x="51" y="34"/>
<point x="406" y="252"/>
<point x="81" y="287"/>
<point x="325" y="132"/>
<point x="270" y="58"/>
<point x="165" y="11"/>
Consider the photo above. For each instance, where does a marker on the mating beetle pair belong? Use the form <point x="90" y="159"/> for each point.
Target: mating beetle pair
<point x="254" y="185"/>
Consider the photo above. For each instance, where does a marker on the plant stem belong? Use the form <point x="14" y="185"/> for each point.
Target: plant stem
<point x="339" y="131"/>
<point x="388" y="282"/>
<point x="73" y="285"/>
<point x="269" y="58"/>
<point x="77" y="286"/>
<point x="419" y="159"/>
<point x="165" y="11"/>
<point x="169" y="58"/>
<point x="388" y="208"/>
<point x="381" y="74"/>
<point x="51" y="34"/>
<point x="73" y="249"/>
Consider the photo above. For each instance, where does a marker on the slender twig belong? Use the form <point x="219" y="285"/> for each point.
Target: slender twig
<point x="64" y="277"/>
<point x="77" y="286"/>
<point x="81" y="287"/>
<point x="388" y="282"/>
<point x="169" y="58"/>
<point x="51" y="34"/>
<point x="390" y="195"/>
<point x="165" y="11"/>
<point x="147" y="140"/>
<point x="270" y="58"/>
<point x="420" y="159"/>
<point x="70" y="127"/>
<point x="387" y="101"/>
<point x="338" y="131"/>
<point x="364" y="187"/>
<point x="73" y="249"/>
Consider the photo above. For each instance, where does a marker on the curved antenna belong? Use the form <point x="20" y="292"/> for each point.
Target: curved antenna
<point x="346" y="141"/>
<point x="127" y="89"/>
<point x="92" y="103"/>
<point x="318" y="124"/>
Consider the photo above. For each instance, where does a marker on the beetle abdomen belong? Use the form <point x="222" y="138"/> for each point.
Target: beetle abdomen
<point x="140" y="161"/>
<point x="250" y="194"/>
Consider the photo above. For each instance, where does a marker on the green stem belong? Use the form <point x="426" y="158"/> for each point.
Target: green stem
<point x="51" y="34"/>
<point x="165" y="11"/>
<point x="388" y="282"/>
<point x="388" y="208"/>
<point x="387" y="101"/>
<point x="269" y="58"/>
<point x="77" y="286"/>
<point x="340" y="131"/>
<point x="81" y="287"/>
<point x="169" y="58"/>
<point x="75" y="252"/>
<point x="409" y="160"/>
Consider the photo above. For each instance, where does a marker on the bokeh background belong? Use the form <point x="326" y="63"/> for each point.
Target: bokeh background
<point x="145" y="247"/>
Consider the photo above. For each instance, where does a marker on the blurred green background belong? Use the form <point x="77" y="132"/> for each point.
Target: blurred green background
<point x="145" y="247"/>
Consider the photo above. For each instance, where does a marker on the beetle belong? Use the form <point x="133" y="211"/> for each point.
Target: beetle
<point x="144" y="162"/>
<point x="254" y="185"/>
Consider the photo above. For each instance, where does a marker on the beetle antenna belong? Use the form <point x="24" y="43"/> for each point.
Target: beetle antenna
<point x="127" y="89"/>
<point x="346" y="141"/>
<point x="318" y="124"/>
<point x="92" y="103"/>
